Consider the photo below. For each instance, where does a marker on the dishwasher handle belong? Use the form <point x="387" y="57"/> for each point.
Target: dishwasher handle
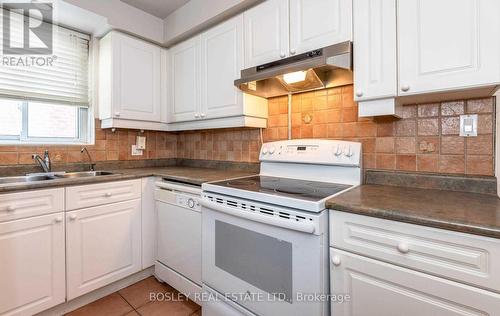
<point x="305" y="227"/>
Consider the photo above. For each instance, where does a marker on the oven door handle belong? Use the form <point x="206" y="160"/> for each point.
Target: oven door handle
<point x="304" y="227"/>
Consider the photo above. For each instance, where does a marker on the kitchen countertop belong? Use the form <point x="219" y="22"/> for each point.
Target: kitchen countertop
<point x="472" y="213"/>
<point x="191" y="175"/>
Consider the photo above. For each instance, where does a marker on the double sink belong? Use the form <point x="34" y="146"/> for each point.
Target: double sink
<point x="53" y="176"/>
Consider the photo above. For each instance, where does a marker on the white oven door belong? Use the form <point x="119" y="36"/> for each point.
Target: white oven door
<point x="265" y="264"/>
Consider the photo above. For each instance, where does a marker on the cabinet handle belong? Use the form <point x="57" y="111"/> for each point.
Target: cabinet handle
<point x="282" y="55"/>
<point x="108" y="194"/>
<point x="202" y="114"/>
<point x="117" y="113"/>
<point x="293" y="51"/>
<point x="72" y="217"/>
<point x="58" y="219"/>
<point x="197" y="115"/>
<point x="403" y="247"/>
<point x="405" y="88"/>
<point x="336" y="261"/>
<point x="359" y="93"/>
<point x="10" y="208"/>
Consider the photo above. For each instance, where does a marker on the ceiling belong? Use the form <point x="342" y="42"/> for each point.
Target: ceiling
<point x="157" y="8"/>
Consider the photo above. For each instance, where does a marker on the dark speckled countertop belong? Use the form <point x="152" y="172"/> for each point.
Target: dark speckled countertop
<point x="459" y="211"/>
<point x="191" y="175"/>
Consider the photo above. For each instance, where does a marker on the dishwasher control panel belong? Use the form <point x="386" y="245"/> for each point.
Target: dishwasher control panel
<point x="188" y="201"/>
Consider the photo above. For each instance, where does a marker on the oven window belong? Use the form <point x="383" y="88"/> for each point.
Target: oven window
<point x="260" y="260"/>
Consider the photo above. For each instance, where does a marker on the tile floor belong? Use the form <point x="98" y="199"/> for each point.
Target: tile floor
<point x="134" y="300"/>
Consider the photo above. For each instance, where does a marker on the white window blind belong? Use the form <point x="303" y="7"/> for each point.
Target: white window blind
<point x="64" y="81"/>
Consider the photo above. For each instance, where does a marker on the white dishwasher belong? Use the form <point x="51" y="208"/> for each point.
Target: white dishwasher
<point x="178" y="251"/>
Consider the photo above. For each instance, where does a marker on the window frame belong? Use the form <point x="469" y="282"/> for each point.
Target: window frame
<point x="84" y="129"/>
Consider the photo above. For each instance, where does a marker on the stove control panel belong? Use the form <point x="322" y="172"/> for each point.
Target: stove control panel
<point x="313" y="151"/>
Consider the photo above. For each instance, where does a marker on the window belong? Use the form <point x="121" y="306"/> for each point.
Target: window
<point x="45" y="98"/>
<point x="38" y="122"/>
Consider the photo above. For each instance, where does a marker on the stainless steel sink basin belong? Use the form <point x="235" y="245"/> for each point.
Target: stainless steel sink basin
<point x="24" y="179"/>
<point x="84" y="174"/>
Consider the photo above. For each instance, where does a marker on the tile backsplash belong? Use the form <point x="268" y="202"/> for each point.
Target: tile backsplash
<point x="424" y="140"/>
<point x="108" y="146"/>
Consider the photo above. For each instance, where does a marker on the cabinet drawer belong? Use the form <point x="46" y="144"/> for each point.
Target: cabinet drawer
<point x="466" y="258"/>
<point x="379" y="288"/>
<point x="102" y="193"/>
<point x="30" y="203"/>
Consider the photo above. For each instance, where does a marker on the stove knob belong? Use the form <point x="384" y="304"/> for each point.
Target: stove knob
<point x="272" y="150"/>
<point x="338" y="151"/>
<point x="348" y="152"/>
<point x="264" y="150"/>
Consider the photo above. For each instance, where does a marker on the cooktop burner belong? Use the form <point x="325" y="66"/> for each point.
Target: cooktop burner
<point x="293" y="188"/>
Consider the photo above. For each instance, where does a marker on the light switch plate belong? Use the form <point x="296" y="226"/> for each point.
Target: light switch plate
<point x="140" y="142"/>
<point x="136" y="151"/>
<point x="468" y="125"/>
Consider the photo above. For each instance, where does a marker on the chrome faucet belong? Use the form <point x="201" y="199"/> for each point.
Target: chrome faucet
<point x="91" y="164"/>
<point x="43" y="162"/>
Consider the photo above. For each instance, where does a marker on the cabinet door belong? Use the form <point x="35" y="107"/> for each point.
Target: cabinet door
<point x="378" y="288"/>
<point x="103" y="245"/>
<point x="266" y="32"/>
<point x="447" y="44"/>
<point x="137" y="77"/>
<point x="184" y="81"/>
<point x="375" y="49"/>
<point x="319" y="23"/>
<point x="32" y="265"/>
<point x="221" y="63"/>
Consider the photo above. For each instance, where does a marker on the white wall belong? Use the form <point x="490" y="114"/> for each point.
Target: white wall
<point x="197" y="15"/>
<point x="124" y="17"/>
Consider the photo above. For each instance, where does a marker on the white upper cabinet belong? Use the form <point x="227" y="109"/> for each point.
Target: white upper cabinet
<point x="221" y="62"/>
<point x="129" y="80"/>
<point x="266" y="32"/>
<point x="201" y="72"/>
<point x="319" y="23"/>
<point x="448" y="45"/>
<point x="375" y="73"/>
<point x="184" y="81"/>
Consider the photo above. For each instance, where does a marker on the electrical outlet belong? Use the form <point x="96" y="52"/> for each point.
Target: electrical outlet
<point x="136" y="151"/>
<point x="468" y="125"/>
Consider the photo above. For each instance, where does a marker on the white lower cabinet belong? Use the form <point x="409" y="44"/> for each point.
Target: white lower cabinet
<point x="379" y="288"/>
<point x="32" y="264"/>
<point x="393" y="268"/>
<point x="103" y="245"/>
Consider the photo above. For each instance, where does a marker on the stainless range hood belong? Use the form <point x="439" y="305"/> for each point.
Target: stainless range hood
<point x="327" y="67"/>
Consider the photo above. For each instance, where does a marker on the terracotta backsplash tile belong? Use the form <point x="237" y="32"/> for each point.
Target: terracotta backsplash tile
<point x="406" y="162"/>
<point x="428" y="127"/>
<point x="385" y="145"/>
<point x="480" y="165"/>
<point x="428" y="110"/>
<point x="452" y="108"/>
<point x="480" y="106"/>
<point x="452" y="164"/>
<point x="386" y="161"/>
<point x="452" y="145"/>
<point x="428" y="144"/>
<point x="424" y="140"/>
<point x="428" y="163"/>
<point x="450" y="125"/>
<point x="480" y="145"/>
<point x="406" y="127"/>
